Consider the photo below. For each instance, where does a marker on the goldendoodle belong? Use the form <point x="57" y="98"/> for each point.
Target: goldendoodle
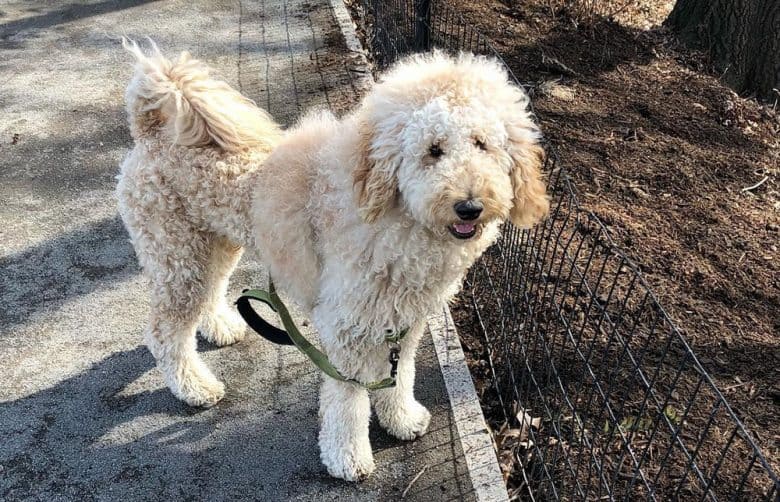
<point x="368" y="222"/>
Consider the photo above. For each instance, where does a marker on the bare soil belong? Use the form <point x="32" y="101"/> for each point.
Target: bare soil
<point x="683" y="172"/>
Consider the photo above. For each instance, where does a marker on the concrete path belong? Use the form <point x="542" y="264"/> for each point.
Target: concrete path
<point x="83" y="414"/>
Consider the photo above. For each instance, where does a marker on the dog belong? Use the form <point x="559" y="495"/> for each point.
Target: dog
<point x="368" y="222"/>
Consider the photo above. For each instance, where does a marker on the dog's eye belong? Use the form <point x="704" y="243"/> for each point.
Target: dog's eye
<point x="435" y="151"/>
<point x="480" y="144"/>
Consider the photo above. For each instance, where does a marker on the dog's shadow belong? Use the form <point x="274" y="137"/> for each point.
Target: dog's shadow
<point x="101" y="433"/>
<point x="92" y="434"/>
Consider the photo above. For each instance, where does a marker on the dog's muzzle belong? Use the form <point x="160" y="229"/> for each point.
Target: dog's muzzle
<point x="468" y="211"/>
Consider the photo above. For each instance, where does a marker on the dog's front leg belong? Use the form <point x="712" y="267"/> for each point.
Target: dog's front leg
<point x="397" y="409"/>
<point x="345" y="412"/>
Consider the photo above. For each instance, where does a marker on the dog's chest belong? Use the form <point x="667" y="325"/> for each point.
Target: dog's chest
<point x="398" y="282"/>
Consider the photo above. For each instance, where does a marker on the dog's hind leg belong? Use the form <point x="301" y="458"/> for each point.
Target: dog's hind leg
<point x="175" y="258"/>
<point x="398" y="411"/>
<point x="221" y="324"/>
<point x="178" y="270"/>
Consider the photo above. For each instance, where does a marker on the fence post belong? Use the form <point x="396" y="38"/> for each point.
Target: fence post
<point x="422" y="25"/>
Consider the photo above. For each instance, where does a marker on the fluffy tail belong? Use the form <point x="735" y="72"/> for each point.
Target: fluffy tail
<point x="180" y="100"/>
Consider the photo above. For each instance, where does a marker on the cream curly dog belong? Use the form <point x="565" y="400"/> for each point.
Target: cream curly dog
<point x="368" y="222"/>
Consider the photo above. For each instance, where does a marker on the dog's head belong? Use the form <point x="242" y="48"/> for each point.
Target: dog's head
<point x="450" y="141"/>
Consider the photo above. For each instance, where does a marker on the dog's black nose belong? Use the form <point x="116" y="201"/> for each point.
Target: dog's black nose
<point x="468" y="209"/>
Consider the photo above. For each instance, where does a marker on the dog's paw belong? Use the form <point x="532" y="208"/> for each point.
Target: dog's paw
<point x="349" y="464"/>
<point x="406" y="422"/>
<point x="225" y="327"/>
<point x="196" y="386"/>
<point x="205" y="394"/>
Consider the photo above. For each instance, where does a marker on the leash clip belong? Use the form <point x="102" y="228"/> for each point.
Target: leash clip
<point x="395" y="356"/>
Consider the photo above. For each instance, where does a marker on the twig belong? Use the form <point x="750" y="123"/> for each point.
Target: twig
<point x="406" y="490"/>
<point x="731" y="387"/>
<point x="620" y="9"/>
<point x="747" y="189"/>
<point x="552" y="63"/>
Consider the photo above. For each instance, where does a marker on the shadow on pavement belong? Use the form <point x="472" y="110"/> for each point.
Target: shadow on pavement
<point x="44" y="276"/>
<point x="90" y="436"/>
<point x="66" y="14"/>
<point x="104" y="433"/>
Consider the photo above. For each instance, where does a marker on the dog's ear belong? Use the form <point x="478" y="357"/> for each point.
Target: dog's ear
<point x="531" y="203"/>
<point x="374" y="178"/>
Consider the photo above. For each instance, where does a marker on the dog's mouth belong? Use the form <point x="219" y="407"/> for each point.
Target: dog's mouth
<point x="463" y="230"/>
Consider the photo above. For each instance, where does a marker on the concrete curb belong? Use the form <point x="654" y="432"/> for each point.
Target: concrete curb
<point x="359" y="67"/>
<point x="475" y="439"/>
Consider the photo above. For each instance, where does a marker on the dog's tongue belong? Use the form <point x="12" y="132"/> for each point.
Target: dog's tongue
<point x="464" y="228"/>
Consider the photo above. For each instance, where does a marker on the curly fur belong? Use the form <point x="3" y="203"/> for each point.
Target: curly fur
<point x="352" y="216"/>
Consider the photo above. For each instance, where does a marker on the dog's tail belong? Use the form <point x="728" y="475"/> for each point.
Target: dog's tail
<point x="180" y="100"/>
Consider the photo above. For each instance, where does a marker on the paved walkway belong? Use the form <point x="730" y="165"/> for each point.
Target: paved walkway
<point x="83" y="415"/>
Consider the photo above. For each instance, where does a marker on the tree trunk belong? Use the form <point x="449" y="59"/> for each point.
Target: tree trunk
<point x="742" y="36"/>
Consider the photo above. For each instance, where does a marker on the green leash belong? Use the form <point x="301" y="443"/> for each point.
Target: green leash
<point x="293" y="336"/>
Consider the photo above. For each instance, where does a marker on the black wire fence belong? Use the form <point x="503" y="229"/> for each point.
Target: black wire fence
<point x="577" y="341"/>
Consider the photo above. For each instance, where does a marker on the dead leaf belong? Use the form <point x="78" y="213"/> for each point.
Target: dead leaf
<point x="526" y="422"/>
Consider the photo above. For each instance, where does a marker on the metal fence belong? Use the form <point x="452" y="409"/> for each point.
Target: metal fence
<point x="576" y="338"/>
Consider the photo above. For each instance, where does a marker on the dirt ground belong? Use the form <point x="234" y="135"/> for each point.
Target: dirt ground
<point x="683" y="172"/>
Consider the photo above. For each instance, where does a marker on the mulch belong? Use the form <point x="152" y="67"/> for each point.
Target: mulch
<point x="681" y="170"/>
